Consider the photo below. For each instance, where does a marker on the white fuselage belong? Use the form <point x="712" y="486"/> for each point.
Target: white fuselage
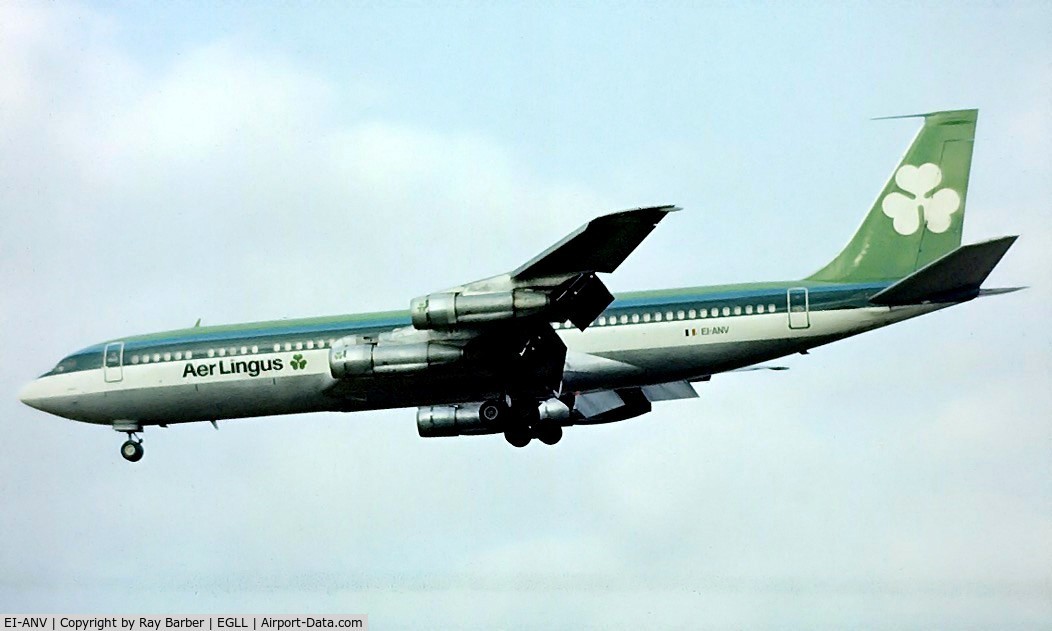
<point x="607" y="356"/>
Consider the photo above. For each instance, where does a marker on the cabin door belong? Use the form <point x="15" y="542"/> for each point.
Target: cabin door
<point x="799" y="317"/>
<point x="113" y="361"/>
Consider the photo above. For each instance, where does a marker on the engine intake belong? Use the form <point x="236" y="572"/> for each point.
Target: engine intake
<point x="449" y="309"/>
<point x="355" y="356"/>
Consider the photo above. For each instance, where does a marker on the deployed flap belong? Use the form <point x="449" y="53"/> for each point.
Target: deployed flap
<point x="669" y="391"/>
<point x="596" y="403"/>
<point x="598" y="246"/>
<point x="607" y="406"/>
<point x="953" y="276"/>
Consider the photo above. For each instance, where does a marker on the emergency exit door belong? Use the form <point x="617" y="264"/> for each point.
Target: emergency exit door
<point x="799" y="317"/>
<point x="113" y="361"/>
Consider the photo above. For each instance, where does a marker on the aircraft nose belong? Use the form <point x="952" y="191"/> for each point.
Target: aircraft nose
<point x="31" y="394"/>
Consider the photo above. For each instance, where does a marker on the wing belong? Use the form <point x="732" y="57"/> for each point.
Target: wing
<point x="558" y="284"/>
<point x="497" y="331"/>
<point x="601" y="245"/>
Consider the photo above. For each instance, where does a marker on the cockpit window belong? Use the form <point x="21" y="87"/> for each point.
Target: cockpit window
<point x="65" y="365"/>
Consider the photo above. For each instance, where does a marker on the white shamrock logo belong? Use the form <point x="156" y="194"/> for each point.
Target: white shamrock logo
<point x="907" y="210"/>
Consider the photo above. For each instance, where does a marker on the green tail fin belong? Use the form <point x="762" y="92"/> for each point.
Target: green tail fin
<point x="919" y="214"/>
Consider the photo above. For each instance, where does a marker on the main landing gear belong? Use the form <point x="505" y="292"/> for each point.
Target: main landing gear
<point x="132" y="448"/>
<point x="521" y="421"/>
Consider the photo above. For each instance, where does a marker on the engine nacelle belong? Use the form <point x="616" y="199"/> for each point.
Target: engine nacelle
<point x="452" y="420"/>
<point x="354" y="356"/>
<point x="450" y="309"/>
<point x="466" y="419"/>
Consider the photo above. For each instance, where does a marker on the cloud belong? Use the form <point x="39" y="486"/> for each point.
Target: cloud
<point x="233" y="181"/>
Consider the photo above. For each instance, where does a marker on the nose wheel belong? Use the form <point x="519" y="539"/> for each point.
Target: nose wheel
<point x="132" y="448"/>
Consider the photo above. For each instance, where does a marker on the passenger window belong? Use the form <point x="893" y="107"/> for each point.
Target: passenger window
<point x="244" y="350"/>
<point x="255" y="349"/>
<point x="178" y="356"/>
<point x="726" y="311"/>
<point x="693" y="314"/>
<point x="602" y="320"/>
<point x="704" y="313"/>
<point x="146" y="359"/>
<point x="277" y="347"/>
<point x="748" y="309"/>
<point x="222" y="352"/>
<point x="759" y="309"/>
<point x="189" y="355"/>
<point x="680" y="315"/>
<point x="646" y="317"/>
<point x="668" y="315"/>
<point x="624" y="319"/>
<point x="135" y="359"/>
<point x="211" y="352"/>
<point x="299" y="346"/>
<point x="657" y="317"/>
<point x="288" y="346"/>
<point x="715" y="312"/>
<point x="167" y="357"/>
<point x="737" y="311"/>
<point x="771" y="308"/>
<point x="635" y="318"/>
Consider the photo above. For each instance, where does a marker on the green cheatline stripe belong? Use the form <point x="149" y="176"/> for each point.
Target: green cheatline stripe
<point x="265" y="334"/>
<point x="400" y="318"/>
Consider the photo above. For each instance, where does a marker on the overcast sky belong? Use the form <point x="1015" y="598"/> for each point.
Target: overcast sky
<point x="160" y="164"/>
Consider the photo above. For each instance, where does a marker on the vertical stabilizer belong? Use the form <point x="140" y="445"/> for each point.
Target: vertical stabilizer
<point x="919" y="214"/>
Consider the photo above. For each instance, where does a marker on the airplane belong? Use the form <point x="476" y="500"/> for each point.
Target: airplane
<point x="547" y="346"/>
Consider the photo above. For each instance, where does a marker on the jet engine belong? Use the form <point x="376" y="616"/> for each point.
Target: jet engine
<point x="355" y="356"/>
<point x="450" y="309"/>
<point x="485" y="418"/>
<point x="454" y="420"/>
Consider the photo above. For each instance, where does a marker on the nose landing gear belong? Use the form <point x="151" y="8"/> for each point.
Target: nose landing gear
<point x="131" y="450"/>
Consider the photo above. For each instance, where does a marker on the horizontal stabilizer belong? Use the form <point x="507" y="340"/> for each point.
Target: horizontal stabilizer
<point x="954" y="276"/>
<point x="752" y="368"/>
<point x="997" y="291"/>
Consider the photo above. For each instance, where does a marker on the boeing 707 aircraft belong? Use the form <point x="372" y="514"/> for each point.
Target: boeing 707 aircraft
<point x="546" y="346"/>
